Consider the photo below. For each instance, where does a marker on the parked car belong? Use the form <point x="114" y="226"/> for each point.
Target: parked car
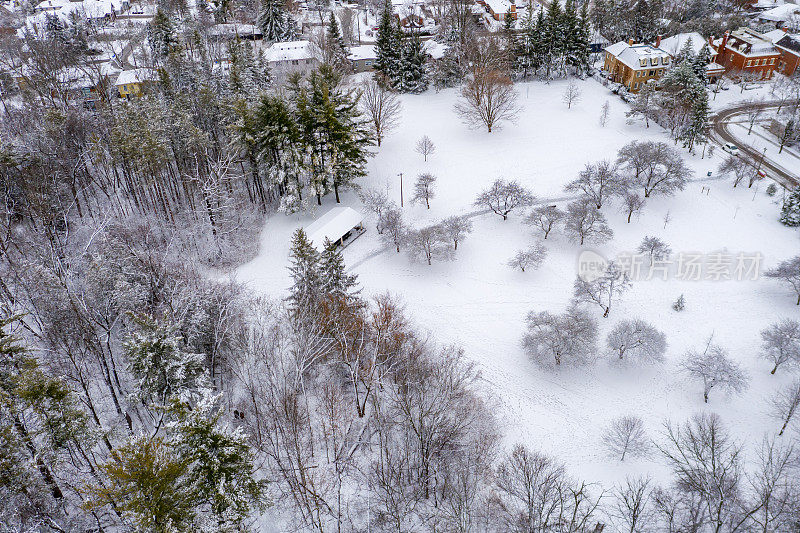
<point x="731" y="149"/>
<point x="626" y="97"/>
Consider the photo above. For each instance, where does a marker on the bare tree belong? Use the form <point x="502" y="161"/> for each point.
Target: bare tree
<point x="774" y="488"/>
<point x="714" y="367"/>
<point x="584" y="222"/>
<point x="753" y="111"/>
<point x="423" y="189"/>
<point x="598" y="182"/>
<point x="781" y="343"/>
<point x="737" y="167"/>
<point x="572" y="94"/>
<point x="706" y="465"/>
<point x="569" y="337"/>
<point x="425" y="147"/>
<point x="631" y="203"/>
<point x="545" y="218"/>
<point x="488" y="98"/>
<point x="605" y="112"/>
<point x="381" y="107"/>
<point x="655" y="248"/>
<point x="786" y="403"/>
<point x="378" y="203"/>
<point x="347" y="18"/>
<point x="637" y="340"/>
<point x="603" y="290"/>
<point x="632" y="509"/>
<point x="656" y="167"/>
<point x="625" y="436"/>
<point x="456" y="228"/>
<point x="429" y="242"/>
<point x="534" y="494"/>
<point x="530" y="258"/>
<point x="395" y="231"/>
<point x="503" y="197"/>
<point x="788" y="271"/>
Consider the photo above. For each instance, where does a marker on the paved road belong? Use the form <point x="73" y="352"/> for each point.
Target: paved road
<point x="720" y="123"/>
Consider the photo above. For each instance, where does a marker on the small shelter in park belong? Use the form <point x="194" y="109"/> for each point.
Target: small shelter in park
<point x="340" y="225"/>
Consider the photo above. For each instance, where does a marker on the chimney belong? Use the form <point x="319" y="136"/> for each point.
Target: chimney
<point x="631" y="42"/>
<point x="711" y="41"/>
<point x="658" y="41"/>
<point x="723" y="44"/>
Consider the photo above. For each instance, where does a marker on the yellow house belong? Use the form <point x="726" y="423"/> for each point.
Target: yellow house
<point x="133" y="83"/>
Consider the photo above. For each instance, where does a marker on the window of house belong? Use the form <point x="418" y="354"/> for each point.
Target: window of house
<point x="749" y="63"/>
<point x="654" y="61"/>
<point x="772" y="61"/>
<point x="665" y="60"/>
<point x="295" y="62"/>
<point x="652" y="73"/>
<point x="642" y="62"/>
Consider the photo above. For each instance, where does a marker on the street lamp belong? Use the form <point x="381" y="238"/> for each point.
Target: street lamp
<point x="401" y="188"/>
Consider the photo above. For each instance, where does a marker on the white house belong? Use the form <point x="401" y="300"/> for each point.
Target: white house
<point x="293" y="56"/>
<point x="341" y="225"/>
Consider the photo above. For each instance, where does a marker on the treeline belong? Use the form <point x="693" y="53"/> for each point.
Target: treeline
<point x="209" y="148"/>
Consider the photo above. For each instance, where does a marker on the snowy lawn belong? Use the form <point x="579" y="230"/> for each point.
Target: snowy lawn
<point x="479" y="303"/>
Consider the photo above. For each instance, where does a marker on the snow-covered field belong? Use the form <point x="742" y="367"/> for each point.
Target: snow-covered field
<point x="479" y="303"/>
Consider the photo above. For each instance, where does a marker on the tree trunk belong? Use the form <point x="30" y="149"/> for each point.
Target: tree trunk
<point x="774" y="369"/>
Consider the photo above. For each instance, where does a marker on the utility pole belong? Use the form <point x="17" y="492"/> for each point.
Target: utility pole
<point x="401" y="189"/>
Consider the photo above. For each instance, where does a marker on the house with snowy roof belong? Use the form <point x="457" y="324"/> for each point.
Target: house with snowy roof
<point x="780" y="16"/>
<point x="362" y="57"/>
<point x="747" y="51"/>
<point x="788" y="45"/>
<point x="633" y="65"/>
<point x="499" y="10"/>
<point x="676" y="43"/>
<point x="135" y="82"/>
<point x="293" y="57"/>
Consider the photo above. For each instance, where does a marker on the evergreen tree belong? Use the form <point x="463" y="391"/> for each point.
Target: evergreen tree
<point x="553" y="39"/>
<point x="277" y="143"/>
<point x="570" y="26"/>
<point x="790" y="212"/>
<point x="525" y="50"/>
<point x="448" y="71"/>
<point x="700" y="63"/>
<point x="272" y="21"/>
<point x="220" y="470"/>
<point x="581" y="52"/>
<point x="42" y="423"/>
<point x="788" y="133"/>
<point x="387" y="47"/>
<point x="686" y="53"/>
<point x="305" y="272"/>
<point x="162" y="37"/>
<point x="336" y="51"/>
<point x="335" y="280"/>
<point x="696" y="131"/>
<point x="162" y="368"/>
<point x="411" y="73"/>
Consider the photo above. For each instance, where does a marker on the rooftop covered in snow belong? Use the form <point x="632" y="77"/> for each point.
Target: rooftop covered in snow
<point x="333" y="226"/>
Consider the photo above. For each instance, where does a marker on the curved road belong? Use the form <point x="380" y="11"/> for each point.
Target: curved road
<point x="720" y="122"/>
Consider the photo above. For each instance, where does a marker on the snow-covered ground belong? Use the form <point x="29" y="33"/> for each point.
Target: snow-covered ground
<point x="480" y="303"/>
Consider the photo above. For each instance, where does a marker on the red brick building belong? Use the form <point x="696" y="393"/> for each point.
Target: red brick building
<point x="747" y="51"/>
<point x="789" y="47"/>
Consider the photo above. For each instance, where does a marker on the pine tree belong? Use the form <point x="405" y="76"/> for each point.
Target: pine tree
<point x="336" y="51"/>
<point x="41" y="419"/>
<point x="448" y="72"/>
<point x="161" y="36"/>
<point x="790" y="212"/>
<point x="163" y="370"/>
<point x="701" y="62"/>
<point x="697" y="130"/>
<point x="553" y="39"/>
<point x="582" y="46"/>
<point x="387" y="47"/>
<point x="305" y="272"/>
<point x="411" y="73"/>
<point x="570" y="26"/>
<point x="272" y="21"/>
<point x="335" y="280"/>
<point x="220" y="469"/>
<point x="686" y="53"/>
